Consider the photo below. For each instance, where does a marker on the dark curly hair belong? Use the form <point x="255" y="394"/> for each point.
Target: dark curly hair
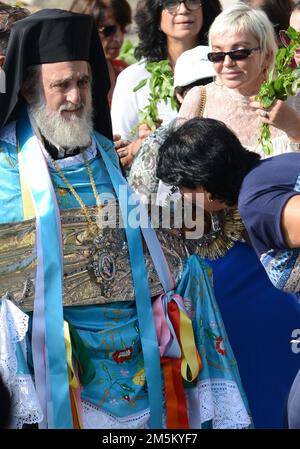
<point x="152" y="41"/>
<point x="205" y="152"/>
<point x="8" y="16"/>
<point x="296" y="6"/>
<point x="121" y="10"/>
<point x="278" y="12"/>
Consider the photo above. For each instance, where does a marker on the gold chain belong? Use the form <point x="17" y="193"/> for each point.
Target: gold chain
<point x="96" y="194"/>
<point x="93" y="227"/>
<point x="202" y="101"/>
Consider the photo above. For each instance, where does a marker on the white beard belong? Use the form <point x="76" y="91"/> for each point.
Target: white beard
<point x="75" y="132"/>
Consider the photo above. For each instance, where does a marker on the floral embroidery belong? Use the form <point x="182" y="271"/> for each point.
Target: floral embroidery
<point x="123" y="355"/>
<point x="139" y="378"/>
<point x="219" y="346"/>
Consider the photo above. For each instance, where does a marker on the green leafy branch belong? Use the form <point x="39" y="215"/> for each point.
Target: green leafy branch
<point x="282" y="81"/>
<point x="161" y="89"/>
<point x="127" y="52"/>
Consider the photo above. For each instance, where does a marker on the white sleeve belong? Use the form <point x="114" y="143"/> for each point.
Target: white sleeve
<point x="126" y="103"/>
<point x="281" y="145"/>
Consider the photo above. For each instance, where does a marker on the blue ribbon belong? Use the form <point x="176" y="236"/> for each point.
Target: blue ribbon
<point x="44" y="201"/>
<point x="142" y="295"/>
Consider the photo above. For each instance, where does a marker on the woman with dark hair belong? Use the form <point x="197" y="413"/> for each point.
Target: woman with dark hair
<point x="204" y="156"/>
<point x="112" y="17"/>
<point x="153" y="41"/>
<point x="166" y="28"/>
<point x="278" y="12"/>
<point x="250" y="305"/>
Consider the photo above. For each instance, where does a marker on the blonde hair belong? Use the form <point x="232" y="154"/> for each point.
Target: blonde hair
<point x="241" y="18"/>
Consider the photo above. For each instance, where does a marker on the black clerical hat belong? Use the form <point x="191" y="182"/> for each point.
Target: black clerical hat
<point x="54" y="35"/>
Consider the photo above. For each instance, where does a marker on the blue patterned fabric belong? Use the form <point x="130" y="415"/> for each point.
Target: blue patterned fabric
<point x="111" y="333"/>
<point x="116" y="350"/>
<point x="283" y="266"/>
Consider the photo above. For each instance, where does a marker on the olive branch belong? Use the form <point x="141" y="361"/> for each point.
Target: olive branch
<point x="283" y="80"/>
<point x="161" y="89"/>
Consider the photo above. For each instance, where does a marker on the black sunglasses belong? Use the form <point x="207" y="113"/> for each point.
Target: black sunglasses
<point x="110" y="30"/>
<point x="235" y="55"/>
<point x="172" y="5"/>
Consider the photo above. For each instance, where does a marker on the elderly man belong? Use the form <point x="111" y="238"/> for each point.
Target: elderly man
<point x="85" y="284"/>
<point x="53" y="60"/>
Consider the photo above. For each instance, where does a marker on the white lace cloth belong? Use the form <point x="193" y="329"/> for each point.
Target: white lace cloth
<point x="216" y="400"/>
<point x="233" y="109"/>
<point x="13" y="328"/>
<point x="95" y="418"/>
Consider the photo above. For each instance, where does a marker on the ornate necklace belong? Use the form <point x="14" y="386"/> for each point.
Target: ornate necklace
<point x="94" y="229"/>
<point x="226" y="229"/>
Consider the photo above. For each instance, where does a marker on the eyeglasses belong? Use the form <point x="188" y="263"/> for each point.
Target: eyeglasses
<point x="110" y="30"/>
<point x="172" y="5"/>
<point x="284" y="38"/>
<point x="235" y="55"/>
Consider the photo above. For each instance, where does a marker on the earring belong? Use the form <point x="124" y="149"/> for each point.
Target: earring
<point x="215" y="79"/>
<point x="209" y="198"/>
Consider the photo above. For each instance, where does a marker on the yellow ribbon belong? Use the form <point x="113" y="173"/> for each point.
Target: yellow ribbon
<point x="73" y="381"/>
<point x="191" y="363"/>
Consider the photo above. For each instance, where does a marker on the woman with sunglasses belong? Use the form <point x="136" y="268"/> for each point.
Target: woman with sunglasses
<point x="243" y="50"/>
<point x="112" y="17"/>
<point x="259" y="318"/>
<point x="166" y="28"/>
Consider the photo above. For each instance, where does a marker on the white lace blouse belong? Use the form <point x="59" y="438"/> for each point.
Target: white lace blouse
<point x="233" y="109"/>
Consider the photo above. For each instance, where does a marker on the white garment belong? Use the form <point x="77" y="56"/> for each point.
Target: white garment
<point x="126" y="104"/>
<point x="233" y="109"/>
<point x="13" y="328"/>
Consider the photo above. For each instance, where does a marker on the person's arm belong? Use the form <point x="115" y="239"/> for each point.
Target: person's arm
<point x="128" y="152"/>
<point x="290" y="222"/>
<point x="282" y="116"/>
<point x="125" y="108"/>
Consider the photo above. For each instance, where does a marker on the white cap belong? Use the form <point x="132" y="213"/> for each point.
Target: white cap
<point x="193" y="65"/>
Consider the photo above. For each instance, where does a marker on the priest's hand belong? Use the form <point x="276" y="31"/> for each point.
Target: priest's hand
<point x="121" y="145"/>
<point x="129" y="152"/>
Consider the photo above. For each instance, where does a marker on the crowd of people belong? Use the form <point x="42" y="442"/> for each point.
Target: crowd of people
<point x="106" y="323"/>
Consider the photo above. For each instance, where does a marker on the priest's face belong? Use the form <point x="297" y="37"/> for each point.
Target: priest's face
<point x="61" y="104"/>
<point x="65" y="87"/>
